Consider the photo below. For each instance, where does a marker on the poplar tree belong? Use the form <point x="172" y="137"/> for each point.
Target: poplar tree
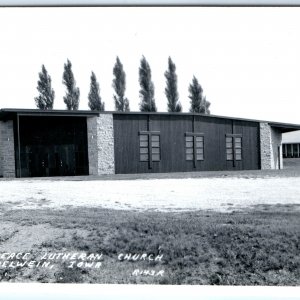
<point x="46" y="93"/>
<point x="147" y="87"/>
<point x="95" y="102"/>
<point x="171" y="91"/>
<point x="72" y="94"/>
<point x="199" y="104"/>
<point x="206" y="105"/>
<point x="119" y="85"/>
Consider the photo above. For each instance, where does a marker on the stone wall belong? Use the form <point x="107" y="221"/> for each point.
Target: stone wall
<point x="276" y="149"/>
<point x="7" y="149"/>
<point x="92" y="145"/>
<point x="1" y="155"/>
<point x="101" y="145"/>
<point x="270" y="140"/>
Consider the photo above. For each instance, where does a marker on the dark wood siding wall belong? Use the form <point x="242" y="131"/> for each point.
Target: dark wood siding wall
<point x="172" y="130"/>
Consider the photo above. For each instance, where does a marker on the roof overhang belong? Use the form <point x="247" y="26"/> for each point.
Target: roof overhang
<point x="10" y="113"/>
<point x="285" y="127"/>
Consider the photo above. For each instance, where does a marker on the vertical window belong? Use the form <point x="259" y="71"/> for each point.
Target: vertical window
<point x="284" y="154"/>
<point x="295" y="150"/>
<point x="155" y="145"/>
<point x="229" y="148"/>
<point x="149" y="146"/>
<point x="199" y="147"/>
<point x="144" y="147"/>
<point x="289" y="150"/>
<point x="238" y="148"/>
<point x="233" y="147"/>
<point x="190" y="147"/>
<point x="194" y="146"/>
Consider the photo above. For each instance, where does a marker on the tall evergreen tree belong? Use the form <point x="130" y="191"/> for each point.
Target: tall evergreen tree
<point x="199" y="104"/>
<point x="206" y="105"/>
<point x="171" y="91"/>
<point x="119" y="85"/>
<point x="46" y="97"/>
<point x="95" y="102"/>
<point x="72" y="94"/>
<point x="147" y="87"/>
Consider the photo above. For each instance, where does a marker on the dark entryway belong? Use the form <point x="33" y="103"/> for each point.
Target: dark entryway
<point x="52" y="146"/>
<point x="291" y="150"/>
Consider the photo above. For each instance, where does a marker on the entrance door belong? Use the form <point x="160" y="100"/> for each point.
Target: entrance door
<point x="51" y="161"/>
<point x="64" y="161"/>
<point x="38" y="161"/>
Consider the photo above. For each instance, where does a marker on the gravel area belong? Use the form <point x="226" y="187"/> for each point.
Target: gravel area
<point x="214" y="193"/>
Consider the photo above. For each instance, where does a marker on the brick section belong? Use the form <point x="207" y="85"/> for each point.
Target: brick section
<point x="270" y="140"/>
<point x="7" y="149"/>
<point x="101" y="145"/>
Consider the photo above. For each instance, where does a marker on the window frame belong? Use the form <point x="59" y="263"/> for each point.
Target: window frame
<point x="150" y="147"/>
<point x="194" y="147"/>
<point x="233" y="147"/>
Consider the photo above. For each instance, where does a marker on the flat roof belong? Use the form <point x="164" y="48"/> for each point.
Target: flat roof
<point x="10" y="113"/>
<point x="291" y="137"/>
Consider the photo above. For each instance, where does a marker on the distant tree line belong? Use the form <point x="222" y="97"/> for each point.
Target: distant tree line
<point x="45" y="99"/>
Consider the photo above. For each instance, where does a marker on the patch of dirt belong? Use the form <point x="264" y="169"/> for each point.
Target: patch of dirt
<point x="20" y="237"/>
<point x="24" y="238"/>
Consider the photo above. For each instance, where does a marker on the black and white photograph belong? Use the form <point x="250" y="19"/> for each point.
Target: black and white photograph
<point x="150" y="146"/>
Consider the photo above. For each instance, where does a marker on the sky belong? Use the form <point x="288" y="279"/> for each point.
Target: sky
<point x="246" y="59"/>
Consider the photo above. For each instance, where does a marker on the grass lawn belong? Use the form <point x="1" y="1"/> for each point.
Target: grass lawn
<point x="260" y="246"/>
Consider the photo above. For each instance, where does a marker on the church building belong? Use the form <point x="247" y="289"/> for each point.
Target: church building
<point x="35" y="143"/>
